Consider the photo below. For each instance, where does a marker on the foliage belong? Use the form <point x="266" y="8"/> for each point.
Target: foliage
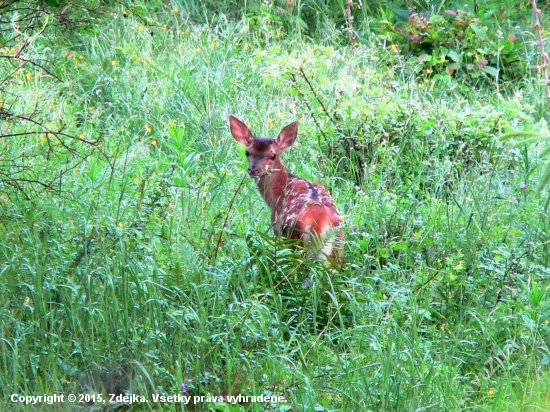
<point x="154" y="269"/>
<point x="456" y="42"/>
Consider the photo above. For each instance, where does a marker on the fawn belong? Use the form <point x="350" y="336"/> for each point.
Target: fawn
<point x="300" y="209"/>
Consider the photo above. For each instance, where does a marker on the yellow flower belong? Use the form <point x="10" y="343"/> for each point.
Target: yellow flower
<point x="278" y="34"/>
<point x="148" y="128"/>
<point x="176" y="10"/>
<point x="81" y="57"/>
<point x="490" y="392"/>
<point x="428" y="71"/>
<point x="29" y="76"/>
<point x="120" y="225"/>
<point x="199" y="50"/>
<point x="155" y="142"/>
<point x="165" y="26"/>
<point x="247" y="46"/>
<point x="43" y="139"/>
<point x="426" y="81"/>
<point x="442" y="326"/>
<point x="136" y="180"/>
<point x="1" y="102"/>
<point x="320" y="109"/>
<point x="141" y="27"/>
<point x="393" y="48"/>
<point x="356" y="44"/>
<point x="359" y="72"/>
<point x="39" y="74"/>
<point x="281" y="115"/>
<point x="82" y="136"/>
<point x="270" y="122"/>
<point x="342" y="218"/>
<point x="62" y="69"/>
<point x="114" y="62"/>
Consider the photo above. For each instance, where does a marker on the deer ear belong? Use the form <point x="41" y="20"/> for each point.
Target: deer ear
<point x="240" y="131"/>
<point x="288" y="135"/>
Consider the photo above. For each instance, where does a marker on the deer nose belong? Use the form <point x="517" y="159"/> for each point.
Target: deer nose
<point x="253" y="170"/>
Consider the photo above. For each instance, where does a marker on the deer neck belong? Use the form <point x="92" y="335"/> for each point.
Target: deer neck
<point x="272" y="185"/>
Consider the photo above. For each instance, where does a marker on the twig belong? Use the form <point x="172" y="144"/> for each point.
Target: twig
<point x="544" y="55"/>
<point x="349" y="17"/>
<point x="227" y="217"/>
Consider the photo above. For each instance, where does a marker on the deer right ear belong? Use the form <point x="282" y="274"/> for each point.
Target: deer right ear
<point x="240" y="131"/>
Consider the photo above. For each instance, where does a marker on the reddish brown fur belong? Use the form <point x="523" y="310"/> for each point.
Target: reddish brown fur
<point x="300" y="209"/>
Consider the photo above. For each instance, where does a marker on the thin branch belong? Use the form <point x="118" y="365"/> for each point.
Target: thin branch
<point x="544" y="55"/>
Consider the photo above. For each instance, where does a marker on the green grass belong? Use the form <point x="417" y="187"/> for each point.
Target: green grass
<point x="152" y="265"/>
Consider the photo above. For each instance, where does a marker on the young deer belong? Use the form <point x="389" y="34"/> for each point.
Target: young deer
<point x="299" y="209"/>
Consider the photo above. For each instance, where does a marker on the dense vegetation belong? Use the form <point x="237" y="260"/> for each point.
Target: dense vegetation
<point x="136" y="256"/>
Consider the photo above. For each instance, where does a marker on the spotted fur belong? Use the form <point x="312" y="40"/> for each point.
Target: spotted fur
<point x="300" y="209"/>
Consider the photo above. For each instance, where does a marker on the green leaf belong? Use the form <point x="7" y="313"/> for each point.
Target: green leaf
<point x="455" y="56"/>
<point x="490" y="70"/>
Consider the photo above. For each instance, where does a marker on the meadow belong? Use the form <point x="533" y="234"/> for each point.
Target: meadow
<point x="137" y="258"/>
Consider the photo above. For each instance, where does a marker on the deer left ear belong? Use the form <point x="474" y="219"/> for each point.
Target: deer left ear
<point x="288" y="135"/>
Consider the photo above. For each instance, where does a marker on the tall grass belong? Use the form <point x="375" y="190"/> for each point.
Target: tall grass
<point x="137" y="276"/>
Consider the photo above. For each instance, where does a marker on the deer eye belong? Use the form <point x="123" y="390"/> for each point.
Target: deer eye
<point x="246" y="153"/>
<point x="273" y="157"/>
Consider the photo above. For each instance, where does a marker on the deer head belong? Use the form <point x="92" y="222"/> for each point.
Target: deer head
<point x="263" y="153"/>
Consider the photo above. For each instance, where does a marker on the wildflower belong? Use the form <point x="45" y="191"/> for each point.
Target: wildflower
<point x="183" y="388"/>
<point x="199" y="50"/>
<point x="225" y="224"/>
<point x="442" y="326"/>
<point x="148" y="128"/>
<point x="114" y="63"/>
<point x="482" y="62"/>
<point x="342" y="218"/>
<point x="176" y="10"/>
<point x="320" y="109"/>
<point x="141" y="27"/>
<point x="393" y="48"/>
<point x="165" y="26"/>
<point x="511" y="38"/>
<point x="281" y="115"/>
<point x="81" y="57"/>
<point x="136" y="180"/>
<point x="359" y="72"/>
<point x="515" y="201"/>
<point x="122" y="128"/>
<point x="305" y="285"/>
<point x="29" y="76"/>
<point x="43" y="139"/>
<point x="490" y="392"/>
<point x="82" y="136"/>
<point x="155" y="142"/>
<point x="451" y="12"/>
<point x="270" y="122"/>
<point x="414" y="37"/>
<point x="39" y="74"/>
<point x="504" y="190"/>
<point x="278" y="34"/>
<point x="522" y="185"/>
<point x="120" y="225"/>
<point x="247" y="46"/>
<point x="62" y="69"/>
<point x="428" y="71"/>
<point x="356" y="44"/>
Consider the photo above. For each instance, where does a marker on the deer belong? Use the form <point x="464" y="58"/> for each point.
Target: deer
<point x="300" y="209"/>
